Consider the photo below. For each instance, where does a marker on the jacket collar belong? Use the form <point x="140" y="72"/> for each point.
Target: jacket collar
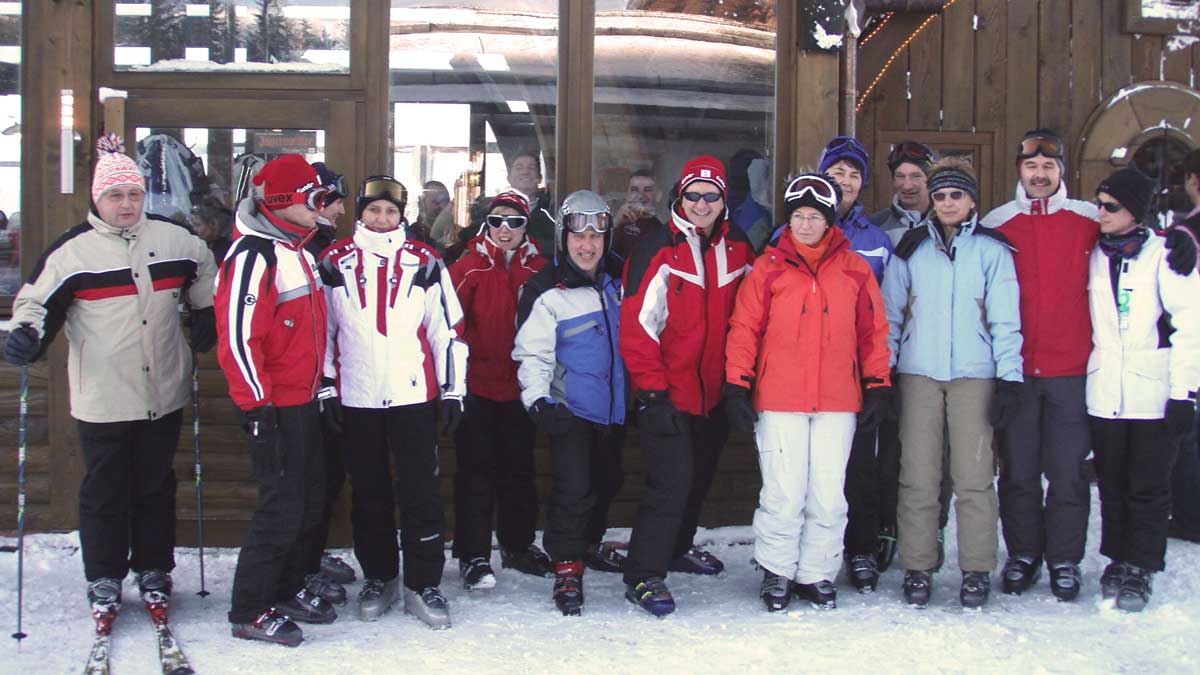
<point x="786" y="247"/>
<point x="1045" y="206"/>
<point x="854" y="218"/>
<point x="130" y="232"/>
<point x="681" y="225"/>
<point x="908" y="219"/>
<point x="259" y="221"/>
<point x="966" y="229"/>
<point x="483" y="245"/>
<point x="383" y="243"/>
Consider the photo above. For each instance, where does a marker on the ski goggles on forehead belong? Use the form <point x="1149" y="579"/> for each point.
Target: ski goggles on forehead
<point x="581" y="222"/>
<point x="820" y="190"/>
<point x="910" y="151"/>
<point x="337" y="187"/>
<point x="1040" y="145"/>
<point x="511" y="222"/>
<point x="376" y="187"/>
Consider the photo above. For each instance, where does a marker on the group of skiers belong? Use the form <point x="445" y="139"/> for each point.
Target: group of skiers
<point x="873" y="358"/>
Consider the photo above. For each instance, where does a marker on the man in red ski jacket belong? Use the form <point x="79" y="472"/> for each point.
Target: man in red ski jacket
<point x="680" y="286"/>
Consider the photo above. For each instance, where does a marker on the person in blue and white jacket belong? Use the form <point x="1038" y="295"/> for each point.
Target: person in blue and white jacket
<point x="573" y="380"/>
<point x="1142" y="377"/>
<point x="954" y="308"/>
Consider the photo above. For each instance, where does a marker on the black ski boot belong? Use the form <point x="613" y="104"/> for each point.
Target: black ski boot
<point x="651" y="595"/>
<point x="1112" y="579"/>
<point x="319" y="584"/>
<point x="821" y="595"/>
<point x="918" y="587"/>
<point x="308" y="607"/>
<point x="477" y="574"/>
<point x="1135" y="591"/>
<point x="864" y="573"/>
<point x="336" y="569"/>
<point x="530" y="560"/>
<point x="1020" y="573"/>
<point x="776" y="591"/>
<point x="1065" y="580"/>
<point x="976" y="587"/>
<point x="604" y="558"/>
<point x="887" y="548"/>
<point x="568" y="587"/>
<point x="270" y="626"/>
<point x="697" y="561"/>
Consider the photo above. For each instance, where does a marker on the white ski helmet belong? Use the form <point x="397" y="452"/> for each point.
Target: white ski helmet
<point x="581" y="210"/>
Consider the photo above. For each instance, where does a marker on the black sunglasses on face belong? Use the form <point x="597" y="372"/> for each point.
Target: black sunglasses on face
<point x="1111" y="207"/>
<point x="953" y="194"/>
<point x="709" y="197"/>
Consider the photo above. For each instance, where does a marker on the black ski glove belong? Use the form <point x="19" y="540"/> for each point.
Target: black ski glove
<point x="1181" y="249"/>
<point x="204" y="329"/>
<point x="331" y="406"/>
<point x="550" y="417"/>
<point x="739" y="408"/>
<point x="1006" y="402"/>
<point x="261" y="424"/>
<point x="877" y="404"/>
<point x="452" y="414"/>
<point x="22" y="345"/>
<point x="1181" y="417"/>
<point x="657" y="415"/>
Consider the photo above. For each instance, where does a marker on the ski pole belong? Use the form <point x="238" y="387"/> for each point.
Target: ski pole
<point x="23" y="414"/>
<point x="199" y="474"/>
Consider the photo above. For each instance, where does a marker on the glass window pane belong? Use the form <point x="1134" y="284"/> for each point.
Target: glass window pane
<point x="310" y="36"/>
<point x="473" y="88"/>
<point x="10" y="147"/>
<point x="672" y="84"/>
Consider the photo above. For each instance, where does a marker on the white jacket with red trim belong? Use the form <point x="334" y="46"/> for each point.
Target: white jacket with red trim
<point x="270" y="313"/>
<point x="395" y="324"/>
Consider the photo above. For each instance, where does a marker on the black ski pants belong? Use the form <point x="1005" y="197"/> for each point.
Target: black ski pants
<point x="127" y="498"/>
<point x="586" y="466"/>
<point x="679" y="472"/>
<point x="399" y="442"/>
<point x="1050" y="436"/>
<point x="494" y="475"/>
<point x="335" y="477"/>
<point x="1185" y="488"/>
<point x="1133" y="462"/>
<point x="291" y="490"/>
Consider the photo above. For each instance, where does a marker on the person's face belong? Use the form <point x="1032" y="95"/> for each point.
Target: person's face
<point x="808" y="225"/>
<point x="849" y="177"/>
<point x="952" y="205"/>
<point x="524" y="174"/>
<point x="643" y="191"/>
<point x="586" y="249"/>
<point x="334" y="211"/>
<point x="433" y="202"/>
<point x="908" y="183"/>
<point x="701" y="213"/>
<point x="381" y="216"/>
<point x="1191" y="185"/>
<point x="1114" y="223"/>
<point x="121" y="206"/>
<point x="505" y="238"/>
<point x="1040" y="176"/>
<point x="299" y="214"/>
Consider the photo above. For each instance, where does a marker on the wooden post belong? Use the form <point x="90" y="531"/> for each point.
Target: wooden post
<point x="573" y="120"/>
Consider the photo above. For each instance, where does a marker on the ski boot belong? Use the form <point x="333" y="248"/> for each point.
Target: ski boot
<point x="604" y="558"/>
<point x="104" y="595"/>
<point x="918" y="587"/>
<point x="864" y="573"/>
<point x="976" y="587"/>
<point x="477" y="574"/>
<point x="1112" y="579"/>
<point x="428" y="605"/>
<point x="308" y="607"/>
<point x="330" y="590"/>
<point x="376" y="598"/>
<point x="270" y="626"/>
<point x="821" y="594"/>
<point x="155" y="587"/>
<point x="651" y="595"/>
<point x="1135" y="590"/>
<point x="1065" y="580"/>
<point x="336" y="569"/>
<point x="530" y="560"/>
<point x="568" y="587"/>
<point x="776" y="591"/>
<point x="1020" y="573"/>
<point x="697" y="561"/>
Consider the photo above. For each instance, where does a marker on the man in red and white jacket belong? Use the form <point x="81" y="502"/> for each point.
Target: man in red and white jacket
<point x="680" y="285"/>
<point x="271" y="326"/>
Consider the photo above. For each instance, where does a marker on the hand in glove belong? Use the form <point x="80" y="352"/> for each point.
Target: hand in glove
<point x="877" y="404"/>
<point x="1006" y="402"/>
<point x="22" y="345"/>
<point x="738" y="407"/>
<point x="452" y="414"/>
<point x="331" y="406"/>
<point x="204" y="329"/>
<point x="545" y="415"/>
<point x="261" y="423"/>
<point x="656" y="413"/>
<point x="1181" y="247"/>
<point x="1181" y="417"/>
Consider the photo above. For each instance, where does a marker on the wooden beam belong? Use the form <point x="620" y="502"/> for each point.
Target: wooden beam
<point x="573" y="119"/>
<point x="1086" y="59"/>
<point x="958" y="57"/>
<point x="991" y="96"/>
<point x="925" y="78"/>
<point x="1115" y="49"/>
<point x="786" y="63"/>
<point x="1021" y="79"/>
<point x="1054" y="67"/>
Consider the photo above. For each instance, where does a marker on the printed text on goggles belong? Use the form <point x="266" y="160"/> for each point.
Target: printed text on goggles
<point x="384" y="186"/>
<point x="512" y="222"/>
<point x="819" y="189"/>
<point x="1040" y="145"/>
<point x="579" y="222"/>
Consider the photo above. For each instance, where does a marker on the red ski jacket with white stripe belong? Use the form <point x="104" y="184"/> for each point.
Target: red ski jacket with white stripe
<point x="270" y="312"/>
<point x="680" y="288"/>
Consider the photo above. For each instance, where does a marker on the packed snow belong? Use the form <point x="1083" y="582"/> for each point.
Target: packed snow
<point x="720" y="626"/>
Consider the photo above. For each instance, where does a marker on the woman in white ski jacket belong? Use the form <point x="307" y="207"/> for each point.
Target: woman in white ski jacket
<point x="1142" y="377"/>
<point x="394" y="350"/>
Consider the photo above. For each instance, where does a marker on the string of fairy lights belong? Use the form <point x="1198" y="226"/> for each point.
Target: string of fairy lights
<point x="891" y="59"/>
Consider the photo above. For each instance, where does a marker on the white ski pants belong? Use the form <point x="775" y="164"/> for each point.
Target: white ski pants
<point x="801" y="513"/>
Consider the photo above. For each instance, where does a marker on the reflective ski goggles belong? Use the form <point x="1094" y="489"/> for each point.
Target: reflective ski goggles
<point x="580" y="222"/>
<point x="839" y="143"/>
<point x="954" y="195"/>
<point x="337" y="188"/>
<point x="1111" y="207"/>
<point x="1033" y="146"/>
<point x="311" y="197"/>
<point x="910" y="151"/>
<point x="820" y="189"/>
<point x="511" y="222"/>
<point x="709" y="197"/>
<point x="383" y="187"/>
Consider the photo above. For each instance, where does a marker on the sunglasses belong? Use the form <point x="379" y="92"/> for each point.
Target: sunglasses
<point x="709" y="197"/>
<point x="953" y="194"/>
<point x="910" y="151"/>
<point x="1111" y="207"/>
<point x="820" y="189"/>
<point x="375" y="187"/>
<point x="1040" y="145"/>
<point x="511" y="222"/>
<point x="581" y="222"/>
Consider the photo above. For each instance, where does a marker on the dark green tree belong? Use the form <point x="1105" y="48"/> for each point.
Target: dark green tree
<point x="271" y="37"/>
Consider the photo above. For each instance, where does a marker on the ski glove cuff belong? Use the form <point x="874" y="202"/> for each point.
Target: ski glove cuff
<point x="739" y="408"/>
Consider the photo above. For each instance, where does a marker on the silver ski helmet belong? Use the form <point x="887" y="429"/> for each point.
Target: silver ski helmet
<point x="581" y="210"/>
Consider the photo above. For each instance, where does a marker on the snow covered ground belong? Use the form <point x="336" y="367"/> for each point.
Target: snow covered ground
<point x="720" y="625"/>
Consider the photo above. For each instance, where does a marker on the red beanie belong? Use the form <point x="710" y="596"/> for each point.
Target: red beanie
<point x="511" y="199"/>
<point x="286" y="180"/>
<point x="705" y="168"/>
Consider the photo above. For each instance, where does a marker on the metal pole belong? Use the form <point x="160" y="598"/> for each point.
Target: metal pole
<point x="199" y="474"/>
<point x="23" y="415"/>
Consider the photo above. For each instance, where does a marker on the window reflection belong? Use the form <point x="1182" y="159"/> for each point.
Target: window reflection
<point x="10" y="148"/>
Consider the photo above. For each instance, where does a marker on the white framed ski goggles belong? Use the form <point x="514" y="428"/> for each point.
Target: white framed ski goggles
<point x="511" y="222"/>
<point x="820" y="189"/>
<point x="580" y="222"/>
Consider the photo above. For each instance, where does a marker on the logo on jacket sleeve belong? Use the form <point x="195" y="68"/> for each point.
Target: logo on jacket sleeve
<point x="249" y="299"/>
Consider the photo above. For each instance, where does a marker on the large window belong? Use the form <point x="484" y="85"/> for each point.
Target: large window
<point x="309" y="36"/>
<point x="671" y="84"/>
<point x="473" y="95"/>
<point x="10" y="148"/>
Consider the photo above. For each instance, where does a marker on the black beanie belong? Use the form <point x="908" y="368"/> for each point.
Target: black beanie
<point x="948" y="176"/>
<point x="1131" y="188"/>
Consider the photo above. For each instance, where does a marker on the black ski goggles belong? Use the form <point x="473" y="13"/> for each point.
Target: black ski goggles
<point x="581" y="222"/>
<point x="337" y="188"/>
<point x="511" y="222"/>
<point x="910" y="151"/>
<point x="1047" y="146"/>
<point x="820" y="189"/>
<point x="383" y="187"/>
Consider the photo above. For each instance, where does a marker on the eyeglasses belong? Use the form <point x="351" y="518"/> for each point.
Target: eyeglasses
<point x="954" y="195"/>
<point x="580" y="222"/>
<point x="1040" y="145"/>
<point x="376" y="187"/>
<point x="910" y="151"/>
<point x="511" y="222"/>
<point x="708" y="197"/>
<point x="812" y="219"/>
<point x="820" y="189"/>
<point x="1111" y="207"/>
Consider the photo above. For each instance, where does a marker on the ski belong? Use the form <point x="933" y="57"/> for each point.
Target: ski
<point x="97" y="663"/>
<point x="170" y="656"/>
